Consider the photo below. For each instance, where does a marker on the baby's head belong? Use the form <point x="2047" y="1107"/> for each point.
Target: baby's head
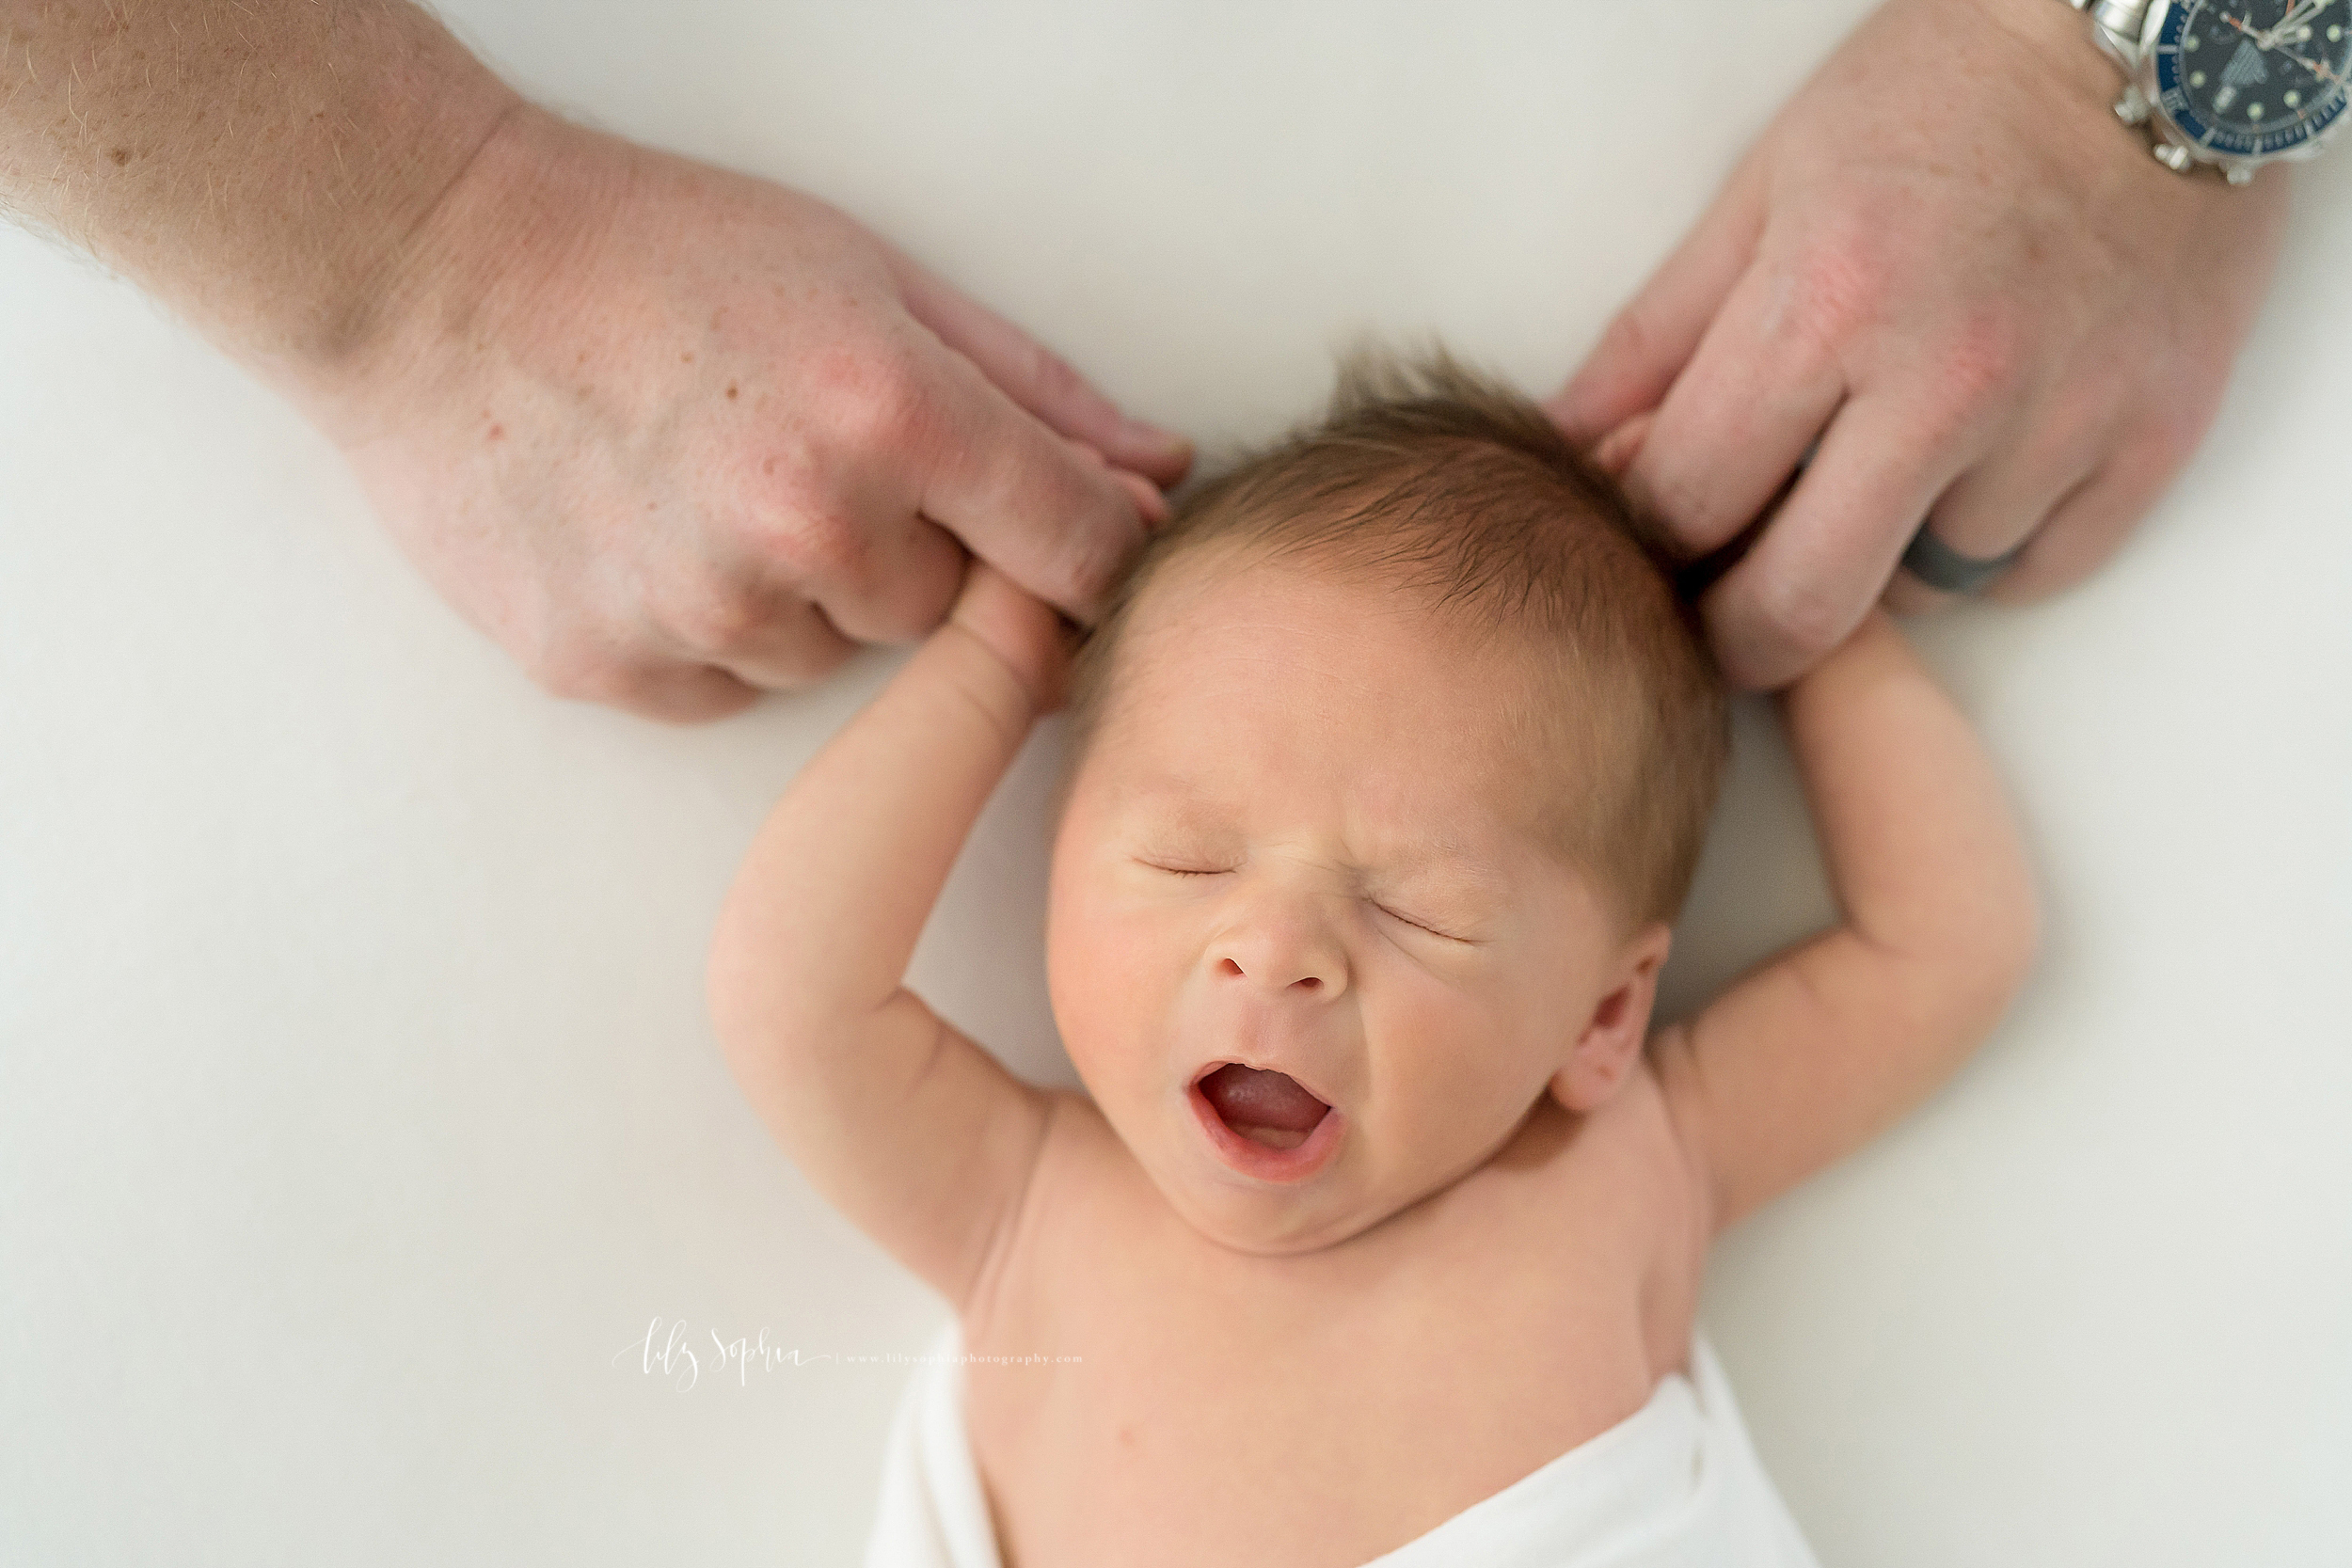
<point x="1389" y="768"/>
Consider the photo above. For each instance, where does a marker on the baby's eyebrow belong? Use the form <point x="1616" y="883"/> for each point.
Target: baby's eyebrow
<point x="1172" y="793"/>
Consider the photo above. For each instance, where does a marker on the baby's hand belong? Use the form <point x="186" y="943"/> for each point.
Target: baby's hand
<point x="1023" y="632"/>
<point x="1026" y="634"/>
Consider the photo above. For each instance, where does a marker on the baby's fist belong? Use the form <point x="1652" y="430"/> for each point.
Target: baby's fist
<point x="1025" y="632"/>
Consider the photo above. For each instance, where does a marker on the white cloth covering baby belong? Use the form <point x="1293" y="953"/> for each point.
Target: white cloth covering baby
<point x="1675" y="1484"/>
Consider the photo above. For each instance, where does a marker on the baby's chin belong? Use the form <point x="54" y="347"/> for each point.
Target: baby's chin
<point x="1334" y="1207"/>
<point x="1274" y="1225"/>
<point x="1354" y="1192"/>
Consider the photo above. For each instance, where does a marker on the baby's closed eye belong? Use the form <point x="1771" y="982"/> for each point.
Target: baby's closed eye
<point x="1419" y="923"/>
<point x="1390" y="907"/>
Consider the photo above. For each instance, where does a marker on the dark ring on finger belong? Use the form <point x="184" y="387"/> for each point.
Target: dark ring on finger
<point x="1940" y="566"/>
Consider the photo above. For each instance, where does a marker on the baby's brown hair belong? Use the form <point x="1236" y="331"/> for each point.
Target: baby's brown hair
<point x="1442" y="483"/>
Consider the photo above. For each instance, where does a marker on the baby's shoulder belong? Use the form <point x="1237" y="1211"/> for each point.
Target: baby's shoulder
<point x="1084" y="1186"/>
<point x="1080" y="1146"/>
<point x="1614" y="1197"/>
<point x="1623" y="1166"/>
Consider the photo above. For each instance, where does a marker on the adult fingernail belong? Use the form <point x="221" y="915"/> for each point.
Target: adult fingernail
<point x="1152" y="439"/>
<point x="1146" y="495"/>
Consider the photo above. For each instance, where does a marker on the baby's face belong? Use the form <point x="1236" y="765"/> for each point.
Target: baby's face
<point x="1302" y="844"/>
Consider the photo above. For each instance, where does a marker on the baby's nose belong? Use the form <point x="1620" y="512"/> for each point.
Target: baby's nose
<point x="1283" y="955"/>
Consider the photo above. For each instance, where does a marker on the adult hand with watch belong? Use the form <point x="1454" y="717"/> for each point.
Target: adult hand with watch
<point x="670" y="434"/>
<point x="1949" y="327"/>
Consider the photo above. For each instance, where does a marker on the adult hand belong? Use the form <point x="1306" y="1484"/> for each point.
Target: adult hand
<point x="670" y="435"/>
<point x="1949" y="264"/>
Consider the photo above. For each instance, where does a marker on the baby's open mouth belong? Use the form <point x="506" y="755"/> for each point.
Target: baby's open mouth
<point x="1266" y="1107"/>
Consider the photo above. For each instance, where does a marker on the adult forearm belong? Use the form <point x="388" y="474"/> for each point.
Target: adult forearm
<point x="259" y="165"/>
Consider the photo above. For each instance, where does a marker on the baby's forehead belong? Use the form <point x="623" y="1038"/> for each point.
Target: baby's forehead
<point x="1236" y="679"/>
<point x="1222" y="598"/>
<point x="1381" y="814"/>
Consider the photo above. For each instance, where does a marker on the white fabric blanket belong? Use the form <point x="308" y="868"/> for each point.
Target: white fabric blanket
<point x="1675" y="1484"/>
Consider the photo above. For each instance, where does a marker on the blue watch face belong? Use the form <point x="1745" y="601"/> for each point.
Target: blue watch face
<point x="2254" y="78"/>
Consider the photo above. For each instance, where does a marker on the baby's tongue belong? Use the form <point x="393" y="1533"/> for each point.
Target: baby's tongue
<point x="1269" y="1107"/>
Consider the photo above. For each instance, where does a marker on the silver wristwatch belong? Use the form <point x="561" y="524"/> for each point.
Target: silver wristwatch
<point x="2233" y="83"/>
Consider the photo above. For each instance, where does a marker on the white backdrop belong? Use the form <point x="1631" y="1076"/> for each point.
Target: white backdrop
<point x="358" y="1110"/>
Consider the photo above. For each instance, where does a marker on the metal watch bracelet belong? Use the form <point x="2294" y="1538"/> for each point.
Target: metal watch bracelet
<point x="2186" y="111"/>
<point x="2118" y="24"/>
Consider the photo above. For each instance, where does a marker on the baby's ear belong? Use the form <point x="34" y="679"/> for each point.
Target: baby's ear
<point x="1611" y="1039"/>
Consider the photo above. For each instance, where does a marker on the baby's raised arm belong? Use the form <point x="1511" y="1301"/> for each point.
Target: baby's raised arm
<point x="910" y="1130"/>
<point x="1817" y="1050"/>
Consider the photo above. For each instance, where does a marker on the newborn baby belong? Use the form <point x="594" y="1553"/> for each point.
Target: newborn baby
<point x="1379" y="1231"/>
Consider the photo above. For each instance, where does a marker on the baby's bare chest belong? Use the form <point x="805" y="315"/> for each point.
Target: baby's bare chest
<point x="1316" y="1411"/>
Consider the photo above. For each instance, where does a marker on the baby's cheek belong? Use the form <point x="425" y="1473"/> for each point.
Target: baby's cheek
<point x="1452" y="1074"/>
<point x="1101" y="977"/>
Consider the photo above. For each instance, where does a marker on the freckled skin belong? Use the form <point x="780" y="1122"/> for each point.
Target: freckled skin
<point x="345" y="199"/>
<point x="1951" y="275"/>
